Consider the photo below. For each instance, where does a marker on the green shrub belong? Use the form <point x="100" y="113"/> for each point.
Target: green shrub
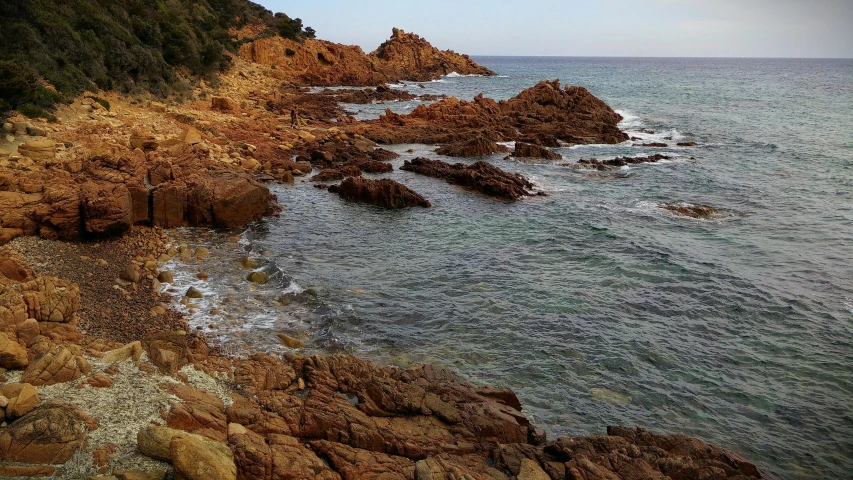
<point x="104" y="103"/>
<point x="132" y="46"/>
<point x="289" y="52"/>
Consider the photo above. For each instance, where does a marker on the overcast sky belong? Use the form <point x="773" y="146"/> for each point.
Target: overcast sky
<point x="693" y="28"/>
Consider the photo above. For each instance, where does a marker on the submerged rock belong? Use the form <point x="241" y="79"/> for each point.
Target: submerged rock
<point x="619" y="162"/>
<point x="692" y="211"/>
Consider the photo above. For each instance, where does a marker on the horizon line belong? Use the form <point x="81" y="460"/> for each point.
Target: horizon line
<point x="659" y="56"/>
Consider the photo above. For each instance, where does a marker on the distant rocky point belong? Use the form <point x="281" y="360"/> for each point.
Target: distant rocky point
<point x="405" y="56"/>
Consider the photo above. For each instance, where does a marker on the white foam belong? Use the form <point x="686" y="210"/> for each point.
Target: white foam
<point x="629" y="120"/>
<point x="453" y="75"/>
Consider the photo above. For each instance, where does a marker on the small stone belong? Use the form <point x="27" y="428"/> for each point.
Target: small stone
<point x="150" y="265"/>
<point x="201" y="253"/>
<point x="166" y="277"/>
<point x="202" y="275"/>
<point x="12" y="354"/>
<point x="130" y="274"/>
<point x="260" y="278"/>
<point x="22" y="397"/>
<point x="290" y="341"/>
<point x="193" y="292"/>
<point x="250" y="262"/>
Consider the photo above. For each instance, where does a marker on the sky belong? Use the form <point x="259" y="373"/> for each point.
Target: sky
<point x="622" y="28"/>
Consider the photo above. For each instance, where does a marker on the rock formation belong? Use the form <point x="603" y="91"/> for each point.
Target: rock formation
<point x="478" y="146"/>
<point x="384" y="193"/>
<point x="528" y="150"/>
<point x="546" y="112"/>
<point x="404" y="56"/>
<point x="481" y="176"/>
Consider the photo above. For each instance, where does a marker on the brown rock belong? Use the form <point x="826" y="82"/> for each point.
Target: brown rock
<point x="166" y="277"/>
<point x="98" y="380"/>
<point x="168" y="204"/>
<point x="32" y="471"/>
<point x="49" y="434"/>
<point x="239" y="200"/>
<point x="140" y="475"/>
<point x="143" y="141"/>
<point x="58" y="364"/>
<point x="13" y="268"/>
<point x="197" y="411"/>
<point x="332" y="174"/>
<point x="107" y="209"/>
<point x="101" y="457"/>
<point x="480" y="176"/>
<point x="27" y="331"/>
<point x="527" y="150"/>
<point x="51" y="299"/>
<point x="171" y="351"/>
<point x="153" y="441"/>
<point x="12" y="354"/>
<point x="131" y="351"/>
<point x="478" y="146"/>
<point x="384" y="193"/>
<point x="290" y="341"/>
<point x="196" y="459"/>
<point x="40" y="150"/>
<point x="224" y="103"/>
<point x="692" y="211"/>
<point x="22" y="398"/>
<point x="131" y="274"/>
<point x="190" y="136"/>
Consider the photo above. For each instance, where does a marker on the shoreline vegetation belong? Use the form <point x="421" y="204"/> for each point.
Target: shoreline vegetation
<point x="102" y="376"/>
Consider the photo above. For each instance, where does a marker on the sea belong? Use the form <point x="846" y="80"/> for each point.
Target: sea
<point x="594" y="304"/>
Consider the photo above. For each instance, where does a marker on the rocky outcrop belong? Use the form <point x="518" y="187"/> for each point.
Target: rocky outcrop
<point x="404" y="56"/>
<point x="478" y="146"/>
<point x="546" y="111"/>
<point x="527" y="150"/>
<point x="56" y="364"/>
<point x="481" y="176"/>
<point x="109" y="194"/>
<point x="619" y="162"/>
<point x="384" y="193"/>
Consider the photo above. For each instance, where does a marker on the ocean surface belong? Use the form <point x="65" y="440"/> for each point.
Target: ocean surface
<point x="594" y="304"/>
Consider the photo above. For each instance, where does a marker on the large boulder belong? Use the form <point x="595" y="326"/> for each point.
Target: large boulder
<point x="199" y="459"/>
<point x="49" y="434"/>
<point x="168" y="204"/>
<point x="384" y="193"/>
<point x="238" y="200"/>
<point x="13" y="311"/>
<point x="12" y="354"/>
<point x="21" y="397"/>
<point x="41" y="149"/>
<point x="57" y="364"/>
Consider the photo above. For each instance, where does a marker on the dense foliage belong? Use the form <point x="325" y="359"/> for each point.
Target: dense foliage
<point x="55" y="49"/>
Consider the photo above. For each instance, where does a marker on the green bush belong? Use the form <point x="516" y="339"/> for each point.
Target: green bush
<point x="104" y="103"/>
<point x="289" y="52"/>
<point x="132" y="46"/>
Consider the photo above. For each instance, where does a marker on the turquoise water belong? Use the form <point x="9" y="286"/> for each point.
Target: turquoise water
<point x="595" y="305"/>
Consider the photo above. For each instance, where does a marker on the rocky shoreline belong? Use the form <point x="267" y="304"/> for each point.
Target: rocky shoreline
<point x="101" y="375"/>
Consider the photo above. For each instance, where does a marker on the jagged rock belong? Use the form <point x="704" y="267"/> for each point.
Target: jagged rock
<point x="51" y="299"/>
<point x="98" y="380"/>
<point x="107" y="208"/>
<point x="49" y="434"/>
<point x="196" y="459"/>
<point x="12" y="354"/>
<point x="571" y="114"/>
<point x="22" y="398"/>
<point x="527" y="150"/>
<point x="478" y="146"/>
<point x="58" y="364"/>
<point x="239" y="200"/>
<point x="384" y="193"/>
<point x="480" y="176"/>
<point x="358" y="463"/>
<point x="169" y="204"/>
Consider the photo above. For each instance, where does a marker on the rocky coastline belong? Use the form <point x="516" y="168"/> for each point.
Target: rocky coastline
<point x="102" y="376"/>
